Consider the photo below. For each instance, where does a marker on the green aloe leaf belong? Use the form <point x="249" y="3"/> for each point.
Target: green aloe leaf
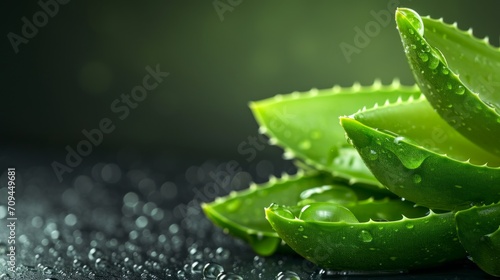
<point x="419" y="157"/>
<point x="242" y="213"/>
<point x="346" y="237"/>
<point x="479" y="232"/>
<point x="459" y="75"/>
<point x="306" y="125"/>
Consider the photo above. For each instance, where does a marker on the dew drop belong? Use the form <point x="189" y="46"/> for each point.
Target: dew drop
<point x="287" y="275"/>
<point x="460" y="90"/>
<point x="212" y="270"/>
<point x="95" y="253"/>
<point x="365" y="236"/>
<point x="439" y="55"/>
<point x="305" y="145"/>
<point x="258" y="261"/>
<point x="300" y="228"/>
<point x="229" y="276"/>
<point x="423" y="56"/>
<point x="398" y="139"/>
<point x="409" y="225"/>
<point x="326" y="212"/>
<point x="417" y="179"/>
<point x="101" y="264"/>
<point x="233" y="205"/>
<point x="414" y="160"/>
<point x="445" y="71"/>
<point x="370" y="154"/>
<point x="433" y="62"/>
<point x="196" y="267"/>
<point x="222" y="254"/>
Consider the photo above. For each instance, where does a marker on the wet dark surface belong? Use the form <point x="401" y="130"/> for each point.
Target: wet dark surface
<point x="128" y="217"/>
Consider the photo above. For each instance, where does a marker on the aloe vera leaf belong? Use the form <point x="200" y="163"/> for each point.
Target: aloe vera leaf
<point x="419" y="157"/>
<point x="241" y="213"/>
<point x="479" y="232"/>
<point x="306" y="125"/>
<point x="345" y="244"/>
<point x="459" y="75"/>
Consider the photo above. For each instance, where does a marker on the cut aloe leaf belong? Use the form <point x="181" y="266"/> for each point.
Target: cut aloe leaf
<point x="306" y="125"/>
<point x="459" y="75"/>
<point x="479" y="232"/>
<point x="330" y="235"/>
<point x="419" y="157"/>
<point x="242" y="213"/>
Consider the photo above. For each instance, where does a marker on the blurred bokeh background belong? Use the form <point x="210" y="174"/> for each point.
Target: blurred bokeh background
<point x="220" y="55"/>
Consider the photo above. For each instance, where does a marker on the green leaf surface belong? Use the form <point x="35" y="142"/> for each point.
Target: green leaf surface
<point x="479" y="232"/>
<point x="242" y="213"/>
<point x="419" y="157"/>
<point x="459" y="75"/>
<point x="404" y="243"/>
<point x="306" y="125"/>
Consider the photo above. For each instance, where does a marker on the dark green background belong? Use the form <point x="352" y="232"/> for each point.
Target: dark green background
<point x="66" y="77"/>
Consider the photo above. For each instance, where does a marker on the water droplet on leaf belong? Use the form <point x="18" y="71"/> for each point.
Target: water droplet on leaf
<point x="365" y="236"/>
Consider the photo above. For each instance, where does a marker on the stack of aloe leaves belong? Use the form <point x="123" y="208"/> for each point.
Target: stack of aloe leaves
<point x="408" y="179"/>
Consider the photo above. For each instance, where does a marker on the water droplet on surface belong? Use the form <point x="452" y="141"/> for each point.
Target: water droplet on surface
<point x="48" y="270"/>
<point x="423" y="56"/>
<point x="196" y="267"/>
<point x="460" y="90"/>
<point x="409" y="225"/>
<point x="101" y="264"/>
<point x="326" y="212"/>
<point x="258" y="261"/>
<point x="222" y="254"/>
<point x="433" y="62"/>
<point x="417" y="179"/>
<point x="300" y="228"/>
<point x="233" y="205"/>
<point x="414" y="160"/>
<point x="365" y="236"/>
<point x="372" y="155"/>
<point x="229" y="276"/>
<point x="95" y="253"/>
<point x="398" y="139"/>
<point x="287" y="275"/>
<point x="305" y="145"/>
<point x="212" y="270"/>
